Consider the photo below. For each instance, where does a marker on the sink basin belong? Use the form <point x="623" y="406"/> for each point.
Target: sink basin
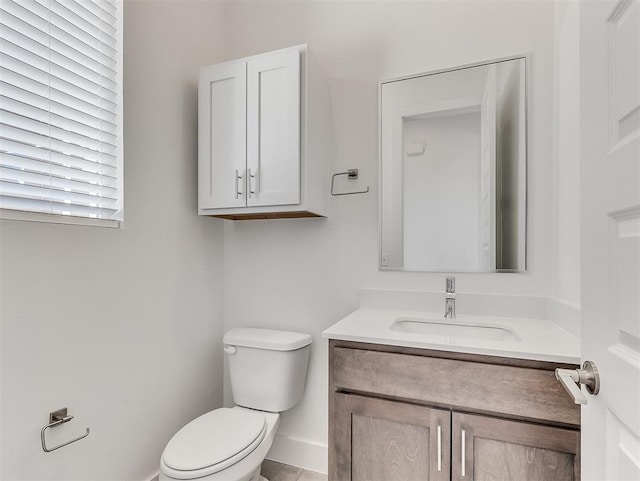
<point x="452" y="329"/>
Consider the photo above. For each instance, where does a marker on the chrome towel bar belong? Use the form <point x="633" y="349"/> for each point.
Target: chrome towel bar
<point x="56" y="418"/>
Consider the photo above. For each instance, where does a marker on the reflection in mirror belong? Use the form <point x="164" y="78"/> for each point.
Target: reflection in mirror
<point x="453" y="170"/>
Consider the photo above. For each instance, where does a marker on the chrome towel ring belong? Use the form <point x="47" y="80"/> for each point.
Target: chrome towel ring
<point x="351" y="174"/>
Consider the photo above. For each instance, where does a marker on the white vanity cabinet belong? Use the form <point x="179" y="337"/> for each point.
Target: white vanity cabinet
<point x="263" y="130"/>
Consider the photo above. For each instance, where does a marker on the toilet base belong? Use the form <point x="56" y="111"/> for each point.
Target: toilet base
<point x="258" y="477"/>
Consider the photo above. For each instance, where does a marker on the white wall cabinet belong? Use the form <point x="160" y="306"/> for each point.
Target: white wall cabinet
<point x="263" y="131"/>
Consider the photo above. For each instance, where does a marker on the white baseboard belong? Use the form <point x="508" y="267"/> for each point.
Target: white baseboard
<point x="155" y="478"/>
<point x="297" y="452"/>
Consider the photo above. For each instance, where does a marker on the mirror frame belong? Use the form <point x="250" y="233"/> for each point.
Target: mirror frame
<point x="527" y="112"/>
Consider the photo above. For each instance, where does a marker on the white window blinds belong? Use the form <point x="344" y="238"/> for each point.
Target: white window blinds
<point x="61" y="107"/>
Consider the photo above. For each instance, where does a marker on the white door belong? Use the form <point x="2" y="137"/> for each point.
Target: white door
<point x="610" y="235"/>
<point x="273" y="129"/>
<point x="222" y="125"/>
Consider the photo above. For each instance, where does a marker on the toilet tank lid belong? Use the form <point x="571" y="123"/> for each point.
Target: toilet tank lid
<point x="267" y="339"/>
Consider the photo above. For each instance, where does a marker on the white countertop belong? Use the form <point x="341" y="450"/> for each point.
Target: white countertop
<point x="540" y="340"/>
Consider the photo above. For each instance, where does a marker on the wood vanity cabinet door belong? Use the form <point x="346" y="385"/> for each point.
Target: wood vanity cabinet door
<point x="488" y="449"/>
<point x="380" y="440"/>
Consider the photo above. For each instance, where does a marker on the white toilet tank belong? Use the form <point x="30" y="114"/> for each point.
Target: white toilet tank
<point x="267" y="368"/>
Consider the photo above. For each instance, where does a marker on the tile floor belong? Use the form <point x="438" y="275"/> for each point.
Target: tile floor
<point x="283" y="472"/>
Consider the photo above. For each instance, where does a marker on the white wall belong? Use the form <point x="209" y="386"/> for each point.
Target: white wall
<point x="565" y="302"/>
<point x="121" y="326"/>
<point x="305" y="274"/>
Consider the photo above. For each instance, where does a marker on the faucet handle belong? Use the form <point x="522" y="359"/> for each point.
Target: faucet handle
<point x="451" y="285"/>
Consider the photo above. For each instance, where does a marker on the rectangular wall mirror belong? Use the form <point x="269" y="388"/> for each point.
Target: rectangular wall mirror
<point x="453" y="176"/>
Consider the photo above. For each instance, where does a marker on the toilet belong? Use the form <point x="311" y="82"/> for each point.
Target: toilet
<point x="267" y="370"/>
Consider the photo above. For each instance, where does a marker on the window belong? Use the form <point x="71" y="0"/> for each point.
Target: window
<point x="61" y="108"/>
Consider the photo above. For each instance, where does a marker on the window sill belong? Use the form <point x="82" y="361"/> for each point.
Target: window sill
<point x="58" y="219"/>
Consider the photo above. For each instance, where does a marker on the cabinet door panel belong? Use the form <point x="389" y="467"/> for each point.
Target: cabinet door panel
<point x="273" y="129"/>
<point x="379" y="440"/>
<point x="222" y="136"/>
<point x="497" y="449"/>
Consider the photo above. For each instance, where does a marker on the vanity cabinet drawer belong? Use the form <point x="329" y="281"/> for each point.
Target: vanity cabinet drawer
<point x="524" y="393"/>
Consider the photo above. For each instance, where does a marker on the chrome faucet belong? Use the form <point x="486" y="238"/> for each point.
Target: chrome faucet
<point x="450" y="299"/>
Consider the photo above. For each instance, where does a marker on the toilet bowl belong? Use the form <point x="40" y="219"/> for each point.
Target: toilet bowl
<point x="267" y="370"/>
<point x="221" y="445"/>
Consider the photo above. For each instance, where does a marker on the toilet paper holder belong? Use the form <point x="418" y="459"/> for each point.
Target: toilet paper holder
<point x="57" y="418"/>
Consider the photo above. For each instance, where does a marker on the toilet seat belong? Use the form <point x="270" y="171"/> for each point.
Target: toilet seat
<point x="213" y="442"/>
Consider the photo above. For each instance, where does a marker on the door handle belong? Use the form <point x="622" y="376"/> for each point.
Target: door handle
<point x="571" y="379"/>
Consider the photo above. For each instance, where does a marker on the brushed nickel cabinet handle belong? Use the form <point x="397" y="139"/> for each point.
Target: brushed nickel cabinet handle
<point x="463" y="468"/>
<point x="250" y="178"/>
<point x="238" y="178"/>
<point x="439" y="448"/>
